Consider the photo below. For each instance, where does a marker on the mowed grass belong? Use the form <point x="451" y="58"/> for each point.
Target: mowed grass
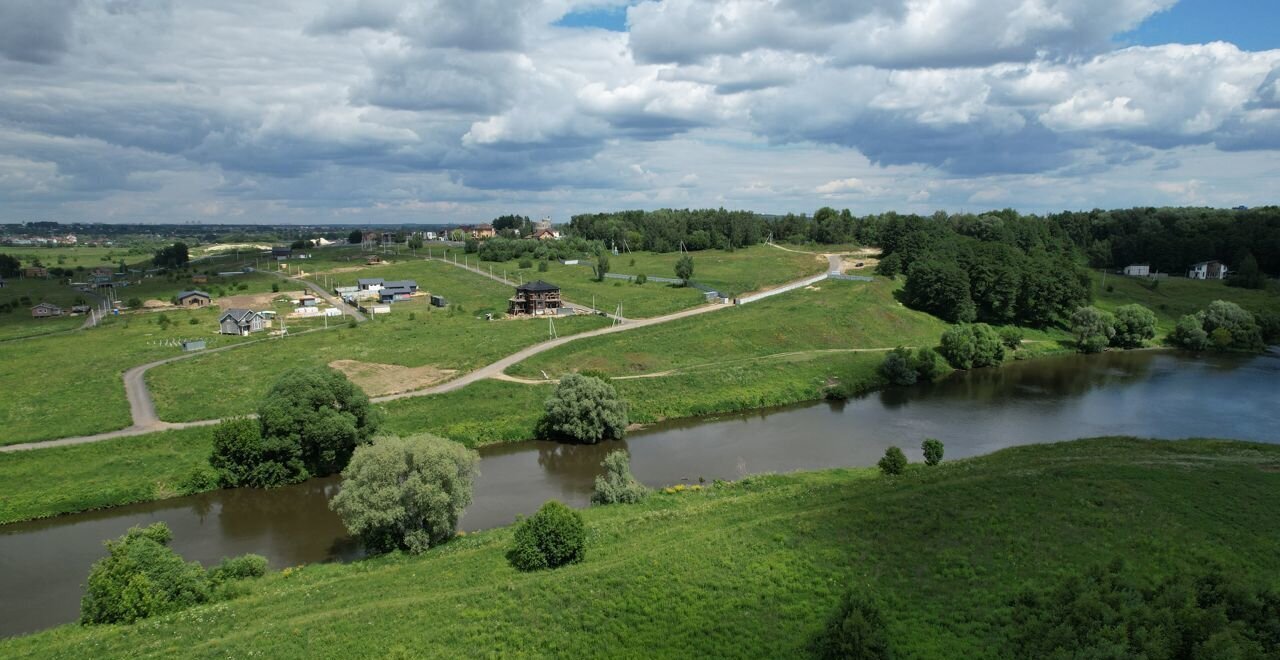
<point x="1175" y="297"/>
<point x="756" y="568"/>
<point x="70" y="384"/>
<point x="219" y="385"/>
<point x="57" y="480"/>
<point x="830" y="315"/>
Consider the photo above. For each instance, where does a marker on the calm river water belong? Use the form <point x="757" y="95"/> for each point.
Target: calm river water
<point x="1147" y="393"/>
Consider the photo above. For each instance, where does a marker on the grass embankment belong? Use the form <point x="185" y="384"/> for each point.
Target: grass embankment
<point x="70" y="384"/>
<point x="731" y="273"/>
<point x="785" y="349"/>
<point x="756" y="568"/>
<point x="1173" y="297"/>
<point x="219" y="385"/>
<point x="49" y="482"/>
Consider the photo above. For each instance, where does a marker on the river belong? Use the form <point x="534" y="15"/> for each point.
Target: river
<point x="1145" y="393"/>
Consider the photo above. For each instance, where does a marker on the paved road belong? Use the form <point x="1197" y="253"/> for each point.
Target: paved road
<point x="332" y="300"/>
<point x="142" y="407"/>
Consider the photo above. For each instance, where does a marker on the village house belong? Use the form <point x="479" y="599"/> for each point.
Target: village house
<point x="536" y="298"/>
<point x="240" y="322"/>
<point x="307" y="301"/>
<point x="483" y="231"/>
<point x="80" y="309"/>
<point x="193" y="299"/>
<point x="1208" y="270"/>
<point x="45" y="310"/>
<point x="35" y="271"/>
<point x="281" y="253"/>
<point x="1137" y="270"/>
<point x="370" y="283"/>
<point x="397" y="291"/>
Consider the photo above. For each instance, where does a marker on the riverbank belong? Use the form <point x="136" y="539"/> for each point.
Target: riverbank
<point x="757" y="567"/>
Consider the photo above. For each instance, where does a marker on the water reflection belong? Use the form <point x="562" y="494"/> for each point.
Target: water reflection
<point x="1147" y="393"/>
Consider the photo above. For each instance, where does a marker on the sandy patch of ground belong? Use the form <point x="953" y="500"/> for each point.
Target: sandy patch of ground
<point x="229" y="247"/>
<point x="155" y="304"/>
<point x="254" y="300"/>
<point x="813" y="288"/>
<point x="379" y="379"/>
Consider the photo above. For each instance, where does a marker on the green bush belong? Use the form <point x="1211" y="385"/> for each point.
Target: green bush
<point x="238" y="568"/>
<point x="526" y="263"/>
<point x="893" y="461"/>
<point x="1114" y="613"/>
<point x="584" y="409"/>
<point x="897" y="367"/>
<point x="275" y="287"/>
<point x="542" y="266"/>
<point x="932" y="449"/>
<point x="242" y="457"/>
<point x="928" y="364"/>
<point x="684" y="268"/>
<point x="617" y="485"/>
<point x="856" y="631"/>
<point x="1134" y="325"/>
<point x="1244" y="333"/>
<point x="554" y="536"/>
<point x="972" y="345"/>
<point x="641" y="278"/>
<point x="406" y="493"/>
<point x="1011" y="337"/>
<point x="319" y="416"/>
<point x="1092" y="328"/>
<point x="198" y="480"/>
<point x="1189" y="334"/>
<point x="141" y="577"/>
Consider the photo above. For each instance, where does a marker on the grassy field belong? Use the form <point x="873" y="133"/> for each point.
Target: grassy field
<point x="1174" y="297"/>
<point x="756" y="568"/>
<point x="830" y="315"/>
<point x="70" y="384"/>
<point x="219" y="385"/>
<point x="61" y="480"/>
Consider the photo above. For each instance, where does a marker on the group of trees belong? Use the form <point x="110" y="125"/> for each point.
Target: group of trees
<point x="9" y="266"/>
<point x="902" y="366"/>
<point x="142" y="577"/>
<point x="174" y="256"/>
<point x="972" y="345"/>
<point x="1224" y="326"/>
<point x="665" y="230"/>
<point x="894" y="461"/>
<point x="309" y="424"/>
<point x="1131" y="326"/>
<point x="1000" y="269"/>
<point x="508" y="249"/>
<point x="1171" y="239"/>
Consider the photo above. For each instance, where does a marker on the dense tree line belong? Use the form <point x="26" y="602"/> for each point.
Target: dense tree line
<point x="1000" y="268"/>
<point x="1171" y="239"/>
<point x="507" y="249"/>
<point x="174" y="256"/>
<point x="665" y="230"/>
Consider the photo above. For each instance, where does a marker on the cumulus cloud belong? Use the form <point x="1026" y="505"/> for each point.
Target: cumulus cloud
<point x="393" y="108"/>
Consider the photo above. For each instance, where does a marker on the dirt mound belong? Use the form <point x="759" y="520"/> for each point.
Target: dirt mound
<point x="257" y="301"/>
<point x="379" y="379"/>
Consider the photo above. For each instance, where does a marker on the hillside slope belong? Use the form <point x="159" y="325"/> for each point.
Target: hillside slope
<point x="755" y="568"/>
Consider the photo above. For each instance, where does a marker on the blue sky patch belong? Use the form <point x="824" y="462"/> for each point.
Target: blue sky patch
<point x="1249" y="24"/>
<point x="607" y="18"/>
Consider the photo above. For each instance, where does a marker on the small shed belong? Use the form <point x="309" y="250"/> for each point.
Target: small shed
<point x="193" y="345"/>
<point x="199" y="279"/>
<point x="193" y="299"/>
<point x="45" y="310"/>
<point x="438" y="301"/>
<point x="308" y="301"/>
<point x="35" y="271"/>
<point x="1137" y="270"/>
<point x="281" y="253"/>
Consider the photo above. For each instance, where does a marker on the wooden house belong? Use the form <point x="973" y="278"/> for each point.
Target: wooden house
<point x="199" y="279"/>
<point x="535" y="298"/>
<point x="45" y="310"/>
<point x="35" y="271"/>
<point x="193" y="299"/>
<point x="240" y="322"/>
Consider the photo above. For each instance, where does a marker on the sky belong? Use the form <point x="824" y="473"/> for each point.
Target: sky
<point x="442" y="111"/>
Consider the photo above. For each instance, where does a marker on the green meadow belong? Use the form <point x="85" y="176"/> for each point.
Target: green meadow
<point x="1171" y="298"/>
<point x="756" y="568"/>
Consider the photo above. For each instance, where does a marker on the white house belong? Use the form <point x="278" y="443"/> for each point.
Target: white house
<point x="1137" y="270"/>
<point x="1208" y="270"/>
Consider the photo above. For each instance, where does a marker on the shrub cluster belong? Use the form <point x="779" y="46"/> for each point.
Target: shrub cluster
<point x="585" y="409"/>
<point x="1221" y="326"/>
<point x="857" y="630"/>
<point x="308" y="425"/>
<point x="893" y="462"/>
<point x="932" y="449"/>
<point x="406" y="493"/>
<point x="903" y="367"/>
<point x="554" y="536"/>
<point x="617" y="485"/>
<point x="972" y="345"/>
<point x="142" y="577"/>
